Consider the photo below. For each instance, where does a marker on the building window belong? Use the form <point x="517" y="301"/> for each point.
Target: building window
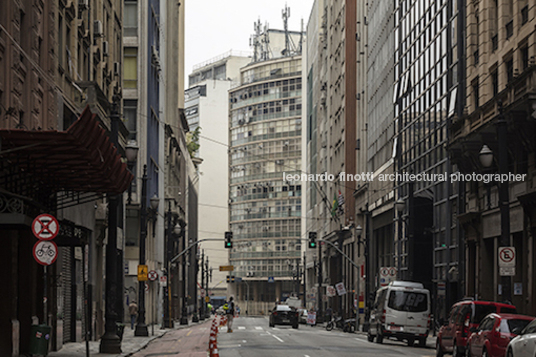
<point x="525" y="57"/>
<point x="509" y="70"/>
<point x="495" y="82"/>
<point x="509" y="29"/>
<point x="130" y="110"/>
<point x="131" y="67"/>
<point x="476" y="93"/>
<point x="130" y="20"/>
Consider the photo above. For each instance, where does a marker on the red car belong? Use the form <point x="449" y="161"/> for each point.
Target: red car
<point x="494" y="333"/>
<point x="464" y="315"/>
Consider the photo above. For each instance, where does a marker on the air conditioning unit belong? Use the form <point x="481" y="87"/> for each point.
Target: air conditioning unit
<point x="97" y="28"/>
<point x="105" y="48"/>
<point x="279" y="162"/>
<point x="117" y="69"/>
<point x="83" y="4"/>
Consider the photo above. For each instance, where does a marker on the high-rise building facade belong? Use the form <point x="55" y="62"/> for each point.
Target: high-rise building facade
<point x="207" y="108"/>
<point x="265" y="143"/>
<point x="426" y="96"/>
<point x="498" y="122"/>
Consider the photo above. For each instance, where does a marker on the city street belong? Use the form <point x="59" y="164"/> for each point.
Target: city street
<point x="253" y="337"/>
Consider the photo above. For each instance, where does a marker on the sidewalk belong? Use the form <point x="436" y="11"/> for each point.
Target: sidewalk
<point x="130" y="344"/>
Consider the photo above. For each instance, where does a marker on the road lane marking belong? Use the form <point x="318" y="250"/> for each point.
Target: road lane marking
<point x="188" y="334"/>
<point x="280" y="340"/>
<point x="258" y="328"/>
<point x="243" y="341"/>
<point x="305" y="355"/>
<point x="241" y="327"/>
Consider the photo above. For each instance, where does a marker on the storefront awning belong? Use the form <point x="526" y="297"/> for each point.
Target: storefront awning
<point x="80" y="159"/>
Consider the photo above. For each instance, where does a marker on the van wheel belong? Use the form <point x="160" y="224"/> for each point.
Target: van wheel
<point x="439" y="350"/>
<point x="411" y="341"/>
<point x="370" y="337"/>
<point x="379" y="337"/>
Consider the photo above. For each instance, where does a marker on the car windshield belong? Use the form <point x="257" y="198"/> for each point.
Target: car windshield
<point x="514" y="326"/>
<point x="408" y="301"/>
<point x="482" y="311"/>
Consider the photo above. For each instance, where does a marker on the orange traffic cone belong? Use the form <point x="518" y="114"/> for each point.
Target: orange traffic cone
<point x="215" y="352"/>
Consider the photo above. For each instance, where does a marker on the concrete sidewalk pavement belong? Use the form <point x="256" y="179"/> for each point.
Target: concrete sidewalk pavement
<point x="130" y="344"/>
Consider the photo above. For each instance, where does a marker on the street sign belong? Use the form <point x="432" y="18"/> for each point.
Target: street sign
<point x="45" y="252"/>
<point x="311" y="318"/>
<point x="387" y="274"/>
<point x="207" y="298"/>
<point x="142" y="273"/>
<point x="330" y="291"/>
<point x="507" y="261"/>
<point x="202" y="293"/>
<point x="146" y="288"/>
<point x="163" y="280"/>
<point x="226" y="267"/>
<point x="271" y="279"/>
<point x="341" y="290"/>
<point x="153" y="275"/>
<point x="45" y="227"/>
<point x="441" y="288"/>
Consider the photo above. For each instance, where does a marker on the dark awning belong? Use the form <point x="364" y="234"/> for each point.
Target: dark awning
<point x="80" y="159"/>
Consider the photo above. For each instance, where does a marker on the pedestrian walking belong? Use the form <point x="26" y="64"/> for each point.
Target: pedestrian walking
<point x="230" y="314"/>
<point x="133" y="311"/>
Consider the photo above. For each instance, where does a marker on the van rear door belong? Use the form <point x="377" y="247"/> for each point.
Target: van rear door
<point x="408" y="310"/>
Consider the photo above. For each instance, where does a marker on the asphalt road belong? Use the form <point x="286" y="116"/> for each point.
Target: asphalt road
<point x="252" y="337"/>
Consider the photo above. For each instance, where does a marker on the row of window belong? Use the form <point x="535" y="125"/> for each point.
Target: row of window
<point x="271" y="70"/>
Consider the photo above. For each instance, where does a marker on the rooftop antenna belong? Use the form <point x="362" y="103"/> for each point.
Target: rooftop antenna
<point x="301" y="38"/>
<point x="286" y="15"/>
<point x="255" y="42"/>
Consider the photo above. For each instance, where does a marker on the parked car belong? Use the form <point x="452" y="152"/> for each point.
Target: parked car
<point x="523" y="345"/>
<point x="464" y="315"/>
<point x="401" y="310"/>
<point x="302" y="319"/>
<point x="284" y="315"/>
<point x="494" y="333"/>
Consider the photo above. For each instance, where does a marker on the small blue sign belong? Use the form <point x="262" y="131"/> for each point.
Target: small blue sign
<point x="271" y="279"/>
<point x="238" y="280"/>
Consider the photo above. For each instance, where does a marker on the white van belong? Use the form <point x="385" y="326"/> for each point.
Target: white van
<point x="401" y="310"/>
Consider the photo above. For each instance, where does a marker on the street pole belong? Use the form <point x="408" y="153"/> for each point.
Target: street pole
<point x="319" y="317"/>
<point x="184" y="312"/>
<point x="304" y="283"/>
<point x="166" y="322"/>
<point x="110" y="341"/>
<point x="141" y="327"/>
<point x="504" y="200"/>
<point x="205" y="308"/>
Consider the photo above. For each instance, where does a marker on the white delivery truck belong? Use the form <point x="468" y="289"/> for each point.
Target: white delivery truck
<point x="401" y="310"/>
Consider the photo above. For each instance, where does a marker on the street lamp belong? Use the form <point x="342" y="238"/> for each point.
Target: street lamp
<point x="110" y="341"/>
<point x="184" y="311"/>
<point x="141" y="327"/>
<point x="486" y="156"/>
<point x="131" y="152"/>
<point x="196" y="316"/>
<point x="176" y="230"/>
<point x="400" y="206"/>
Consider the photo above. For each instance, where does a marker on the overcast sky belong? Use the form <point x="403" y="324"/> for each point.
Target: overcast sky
<point x="214" y="27"/>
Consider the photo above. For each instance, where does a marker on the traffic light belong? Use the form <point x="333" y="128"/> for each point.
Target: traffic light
<point x="230" y="279"/>
<point x="228" y="240"/>
<point x="312" y="240"/>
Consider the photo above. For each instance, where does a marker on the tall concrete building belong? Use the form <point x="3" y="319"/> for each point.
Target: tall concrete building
<point x="207" y="107"/>
<point x="376" y="209"/>
<point x="58" y="82"/>
<point x="332" y="142"/>
<point x="265" y="142"/>
<point x="497" y="83"/>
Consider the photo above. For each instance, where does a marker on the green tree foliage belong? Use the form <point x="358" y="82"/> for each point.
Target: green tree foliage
<point x="192" y="141"/>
